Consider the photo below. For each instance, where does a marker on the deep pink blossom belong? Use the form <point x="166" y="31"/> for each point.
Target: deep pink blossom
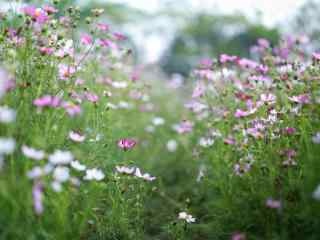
<point x="86" y="39"/>
<point x="126" y="143"/>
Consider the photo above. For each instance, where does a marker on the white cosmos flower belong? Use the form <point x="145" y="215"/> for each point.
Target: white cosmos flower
<point x="119" y="84"/>
<point x="172" y="145"/>
<point x="94" y="174"/>
<point x="206" y="142"/>
<point x="60" y="157"/>
<point x="187" y="217"/>
<point x="56" y="186"/>
<point x="32" y="153"/>
<point x="35" y="172"/>
<point x="7" y="146"/>
<point x="157" y="121"/>
<point x="78" y="166"/>
<point x="124" y="169"/>
<point x="61" y="174"/>
<point x="145" y="176"/>
<point x="76" y="137"/>
<point x="7" y="115"/>
<point x="316" y="138"/>
<point x="316" y="193"/>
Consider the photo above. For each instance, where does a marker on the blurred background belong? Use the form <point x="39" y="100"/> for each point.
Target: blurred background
<point x="171" y="36"/>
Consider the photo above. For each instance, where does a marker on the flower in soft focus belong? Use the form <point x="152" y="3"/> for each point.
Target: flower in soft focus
<point x="172" y="145"/>
<point x="94" y="174"/>
<point x="224" y="58"/>
<point x="238" y="236"/>
<point x="125" y="170"/>
<point x="126" y="143"/>
<point x="199" y="90"/>
<point x="316" y="193"/>
<point x="50" y="9"/>
<point x="37" y="195"/>
<point x="103" y="27"/>
<point x="7" y="115"/>
<point x="184" y="127"/>
<point x="241" y="168"/>
<point x="145" y="176"/>
<point x="47" y="101"/>
<point x="187" y="217"/>
<point x="76" y="136"/>
<point x="60" y="157"/>
<point x="71" y="108"/>
<point x="268" y="98"/>
<point x="302" y="99"/>
<point x="46" y="50"/>
<point x="65" y="71"/>
<point x="91" y="97"/>
<point x="35" y="172"/>
<point x="7" y="146"/>
<point x="37" y="14"/>
<point x="247" y="63"/>
<point x="61" y="174"/>
<point x="271" y="203"/>
<point x="229" y="141"/>
<point x="316" y="138"/>
<point x="316" y="56"/>
<point x="290" y="130"/>
<point x="158" y="121"/>
<point x="32" y="153"/>
<point x="206" y="142"/>
<point x="78" y="166"/>
<point x="119" y="36"/>
<point x="241" y="113"/>
<point x="86" y="39"/>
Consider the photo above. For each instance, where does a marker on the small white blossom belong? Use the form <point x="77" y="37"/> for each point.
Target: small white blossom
<point x="94" y="174"/>
<point x="60" y="157"/>
<point x="187" y="217"/>
<point x="7" y="146"/>
<point x="7" y="115"/>
<point x="76" y="137"/>
<point x="33" y="153"/>
<point x="157" y="121"/>
<point x="206" y="142"/>
<point x="172" y="145"/>
<point x="124" y="169"/>
<point x="61" y="174"/>
<point x="78" y="166"/>
<point x="145" y="176"/>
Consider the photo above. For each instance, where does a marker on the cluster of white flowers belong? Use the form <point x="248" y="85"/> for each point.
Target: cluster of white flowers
<point x="187" y="217"/>
<point x="135" y="171"/>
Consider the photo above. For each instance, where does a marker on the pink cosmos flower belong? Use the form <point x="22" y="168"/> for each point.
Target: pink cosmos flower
<point x="46" y="50"/>
<point x="119" y="36"/>
<point x="103" y="27"/>
<point x="107" y="43"/>
<point x="238" y="236"/>
<point x="271" y="203"/>
<point x="76" y="136"/>
<point x="199" y="90"/>
<point x="126" y="143"/>
<point x="47" y="101"/>
<point x="316" y="56"/>
<point x="264" y="43"/>
<point x="184" y="127"/>
<point x="206" y="63"/>
<point x="37" y="190"/>
<point x="247" y="63"/>
<point x="86" y="39"/>
<point x="230" y="141"/>
<point x="303" y="99"/>
<point x="37" y="14"/>
<point x="241" y="113"/>
<point x="226" y="58"/>
<point x="91" y="97"/>
<point x="65" y="71"/>
<point x="268" y="98"/>
<point x="289" y="130"/>
<point x="71" y="108"/>
<point x="262" y="69"/>
<point x="50" y="9"/>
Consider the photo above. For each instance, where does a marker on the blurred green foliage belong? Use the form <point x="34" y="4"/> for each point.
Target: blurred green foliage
<point x="210" y="35"/>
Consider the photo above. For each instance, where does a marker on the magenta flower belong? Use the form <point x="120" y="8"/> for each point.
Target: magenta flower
<point x="37" y="198"/>
<point x="226" y="58"/>
<point x="264" y="43"/>
<point x="274" y="204"/>
<point x="86" y="39"/>
<point x="199" y="90"/>
<point x="247" y="63"/>
<point x="238" y="236"/>
<point x="65" y="71"/>
<point x="229" y="141"/>
<point x="184" y="127"/>
<point x="71" y="108"/>
<point x="46" y="50"/>
<point x="316" y="56"/>
<point x="290" y="130"/>
<point x="50" y="9"/>
<point x="103" y="27"/>
<point x="119" y="36"/>
<point x="107" y="43"/>
<point x="47" y="101"/>
<point x="126" y="143"/>
<point x="303" y="99"/>
<point x="91" y="97"/>
<point x="206" y="63"/>
<point x="37" y="14"/>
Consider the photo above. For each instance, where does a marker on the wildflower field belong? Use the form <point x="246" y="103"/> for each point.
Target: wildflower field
<point x="92" y="149"/>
